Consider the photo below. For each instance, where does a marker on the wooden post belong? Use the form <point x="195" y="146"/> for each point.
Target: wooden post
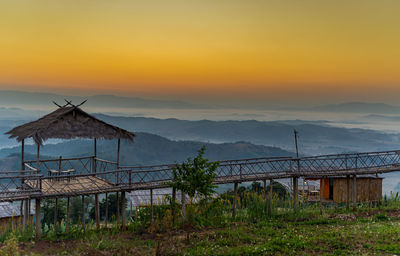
<point x="183" y="208"/>
<point x="26" y="214"/>
<point x="21" y="211"/>
<point x="94" y="155"/>
<point x="83" y="213"/>
<point x="235" y="199"/>
<point x="118" y="152"/>
<point x="97" y="210"/>
<point x="55" y="213"/>
<point x="347" y="192"/>
<point x="173" y="204"/>
<point x="151" y="206"/>
<point x="354" y="192"/>
<point x="271" y="182"/>
<point x="321" y="194"/>
<point x="22" y="214"/>
<point x="295" y="193"/>
<point x="130" y="210"/>
<point x="22" y="154"/>
<point x="123" y="212"/>
<point x="106" y="220"/>
<point x="265" y="190"/>
<point x="117" y="213"/>
<point x="38" y="225"/>
<point x="67" y="217"/>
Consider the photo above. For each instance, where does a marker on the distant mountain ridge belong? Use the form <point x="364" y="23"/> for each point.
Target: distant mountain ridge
<point x="357" y="107"/>
<point x="147" y="149"/>
<point x="35" y="98"/>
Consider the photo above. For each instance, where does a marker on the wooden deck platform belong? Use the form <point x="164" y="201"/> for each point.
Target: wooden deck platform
<point x="73" y="186"/>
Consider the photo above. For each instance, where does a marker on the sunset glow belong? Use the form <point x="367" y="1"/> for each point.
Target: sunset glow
<point x="187" y="47"/>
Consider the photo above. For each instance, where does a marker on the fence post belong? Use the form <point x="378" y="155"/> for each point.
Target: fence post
<point x="347" y="192"/>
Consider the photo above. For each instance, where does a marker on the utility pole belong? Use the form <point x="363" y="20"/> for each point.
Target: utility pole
<point x="295" y="141"/>
<point x="295" y="181"/>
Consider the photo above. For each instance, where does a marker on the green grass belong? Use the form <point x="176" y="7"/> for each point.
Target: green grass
<point x="212" y="231"/>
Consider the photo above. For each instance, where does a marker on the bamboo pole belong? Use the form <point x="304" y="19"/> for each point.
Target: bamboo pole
<point x="67" y="217"/>
<point x="354" y="192"/>
<point x="347" y="192"/>
<point x="97" y="210"/>
<point x="123" y="212"/>
<point x="151" y="206"/>
<point x="183" y="208"/>
<point x="55" y="213"/>
<point x="117" y="213"/>
<point x="321" y="194"/>
<point x="271" y="182"/>
<point x="118" y="152"/>
<point x="235" y="199"/>
<point x="38" y="225"/>
<point x="106" y="220"/>
<point x="173" y="204"/>
<point x="83" y="213"/>
<point x="295" y="193"/>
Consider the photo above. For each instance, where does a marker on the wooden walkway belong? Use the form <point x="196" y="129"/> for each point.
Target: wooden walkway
<point x="94" y="176"/>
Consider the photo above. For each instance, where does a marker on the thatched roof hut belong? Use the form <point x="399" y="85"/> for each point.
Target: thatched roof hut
<point x="68" y="122"/>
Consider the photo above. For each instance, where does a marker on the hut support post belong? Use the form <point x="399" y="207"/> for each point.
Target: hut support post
<point x="94" y="155"/>
<point x="67" y="217"/>
<point x="271" y="181"/>
<point x="55" y="213"/>
<point x="83" y="213"/>
<point x="118" y="152"/>
<point x="235" y="200"/>
<point x="123" y="212"/>
<point x="354" y="192"/>
<point x="151" y="205"/>
<point x="173" y="204"/>
<point x="183" y="208"/>
<point x="97" y="210"/>
<point x="117" y="213"/>
<point x="265" y="190"/>
<point x="106" y="220"/>
<point x="26" y="214"/>
<point x="321" y="194"/>
<point x="295" y="193"/>
<point x="347" y="192"/>
<point x="38" y="224"/>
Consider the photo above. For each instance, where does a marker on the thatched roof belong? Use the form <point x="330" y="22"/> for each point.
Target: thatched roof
<point x="68" y="122"/>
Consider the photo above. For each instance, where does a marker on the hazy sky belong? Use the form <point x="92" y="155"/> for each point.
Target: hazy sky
<point x="229" y="49"/>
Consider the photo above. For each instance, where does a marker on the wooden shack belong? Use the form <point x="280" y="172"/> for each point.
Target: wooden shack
<point x="10" y="215"/>
<point x="369" y="189"/>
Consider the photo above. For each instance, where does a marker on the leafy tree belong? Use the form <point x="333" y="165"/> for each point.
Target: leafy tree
<point x="195" y="176"/>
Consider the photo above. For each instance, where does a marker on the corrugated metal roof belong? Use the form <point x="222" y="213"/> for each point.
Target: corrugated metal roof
<point x="8" y="210"/>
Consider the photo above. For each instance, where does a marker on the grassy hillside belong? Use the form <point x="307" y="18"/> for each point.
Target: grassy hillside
<point x="335" y="232"/>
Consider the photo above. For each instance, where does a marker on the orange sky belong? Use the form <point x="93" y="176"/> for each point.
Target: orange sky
<point x="208" y="47"/>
